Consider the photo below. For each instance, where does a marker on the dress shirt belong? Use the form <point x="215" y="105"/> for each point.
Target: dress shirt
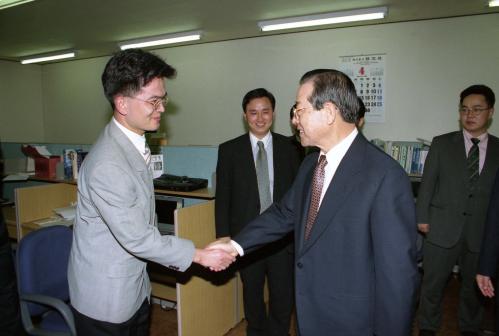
<point x="267" y="143"/>
<point x="138" y="141"/>
<point x="333" y="157"/>
<point x="482" y="146"/>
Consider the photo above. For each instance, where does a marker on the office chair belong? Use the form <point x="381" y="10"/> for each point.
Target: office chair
<point x="42" y="262"/>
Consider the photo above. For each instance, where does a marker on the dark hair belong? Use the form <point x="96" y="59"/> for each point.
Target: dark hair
<point x="258" y="93"/>
<point x="480" y="90"/>
<point x="362" y="109"/>
<point x="333" y="86"/>
<point x="129" y="70"/>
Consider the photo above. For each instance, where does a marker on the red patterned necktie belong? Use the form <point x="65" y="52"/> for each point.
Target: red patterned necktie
<point x="317" y="183"/>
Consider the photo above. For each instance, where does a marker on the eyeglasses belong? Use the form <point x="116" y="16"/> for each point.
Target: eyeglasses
<point x="473" y="111"/>
<point x="297" y="112"/>
<point x="155" y="103"/>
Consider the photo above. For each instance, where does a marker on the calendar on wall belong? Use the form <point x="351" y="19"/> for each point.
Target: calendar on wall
<point x="368" y="74"/>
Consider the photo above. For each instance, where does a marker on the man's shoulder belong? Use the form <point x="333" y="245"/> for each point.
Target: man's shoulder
<point x="448" y="137"/>
<point x="235" y="142"/>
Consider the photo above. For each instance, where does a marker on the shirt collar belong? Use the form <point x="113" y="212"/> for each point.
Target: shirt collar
<point x="266" y="140"/>
<point x="342" y="147"/>
<point x="468" y="136"/>
<point x="138" y="141"/>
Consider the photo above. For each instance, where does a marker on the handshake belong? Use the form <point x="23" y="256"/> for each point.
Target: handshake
<point x="217" y="255"/>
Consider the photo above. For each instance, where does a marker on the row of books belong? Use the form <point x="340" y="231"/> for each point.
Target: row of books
<point x="411" y="155"/>
<point x="72" y="159"/>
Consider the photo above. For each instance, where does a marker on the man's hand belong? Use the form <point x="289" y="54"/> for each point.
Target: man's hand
<point x="423" y="227"/>
<point x="485" y="285"/>
<point x="215" y="259"/>
<point x="223" y="244"/>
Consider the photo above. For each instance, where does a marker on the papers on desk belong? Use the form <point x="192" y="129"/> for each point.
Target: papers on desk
<point x="64" y="216"/>
<point x="67" y="213"/>
<point x="16" y="177"/>
<point x="56" y="220"/>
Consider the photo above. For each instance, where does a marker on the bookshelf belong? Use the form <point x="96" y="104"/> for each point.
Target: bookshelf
<point x="411" y="155"/>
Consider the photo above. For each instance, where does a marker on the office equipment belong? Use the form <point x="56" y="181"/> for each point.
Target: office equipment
<point x="42" y="259"/>
<point x="179" y="183"/>
<point x="165" y="209"/>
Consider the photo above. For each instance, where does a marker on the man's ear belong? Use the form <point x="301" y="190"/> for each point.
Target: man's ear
<point x="121" y="105"/>
<point x="331" y="111"/>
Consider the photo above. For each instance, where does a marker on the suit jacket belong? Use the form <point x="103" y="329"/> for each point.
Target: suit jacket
<point x="237" y="198"/>
<point x="445" y="200"/>
<point x="356" y="274"/>
<point x="115" y="232"/>
<point x="489" y="253"/>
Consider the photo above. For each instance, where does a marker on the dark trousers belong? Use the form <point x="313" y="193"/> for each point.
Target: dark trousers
<point x="278" y="268"/>
<point x="137" y="325"/>
<point x="437" y="266"/>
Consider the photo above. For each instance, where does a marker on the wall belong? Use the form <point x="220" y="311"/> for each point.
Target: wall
<point x="21" y="108"/>
<point x="427" y="64"/>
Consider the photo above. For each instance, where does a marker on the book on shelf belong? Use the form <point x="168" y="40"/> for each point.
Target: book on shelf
<point x="72" y="159"/>
<point x="411" y="155"/>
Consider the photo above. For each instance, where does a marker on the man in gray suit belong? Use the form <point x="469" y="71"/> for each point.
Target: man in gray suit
<point x="115" y="228"/>
<point x="451" y="209"/>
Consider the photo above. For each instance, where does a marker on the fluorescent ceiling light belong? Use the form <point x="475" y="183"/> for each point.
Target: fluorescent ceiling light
<point x="11" y="3"/>
<point x="160" y="40"/>
<point x="324" y="19"/>
<point x="48" y="57"/>
<point x="494" y="3"/>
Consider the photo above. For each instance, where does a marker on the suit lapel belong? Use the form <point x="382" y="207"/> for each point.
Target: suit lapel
<point x="341" y="185"/>
<point x="490" y="164"/>
<point x="307" y="194"/>
<point x="458" y="154"/>
<point x="133" y="156"/>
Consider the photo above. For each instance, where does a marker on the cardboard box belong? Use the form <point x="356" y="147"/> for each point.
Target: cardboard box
<point x="46" y="167"/>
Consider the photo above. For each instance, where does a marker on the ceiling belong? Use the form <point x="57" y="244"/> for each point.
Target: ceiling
<point x="93" y="27"/>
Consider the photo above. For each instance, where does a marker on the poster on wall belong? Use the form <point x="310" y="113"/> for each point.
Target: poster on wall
<point x="368" y="74"/>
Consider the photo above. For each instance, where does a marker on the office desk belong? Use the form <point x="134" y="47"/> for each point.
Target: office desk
<point x="207" y="302"/>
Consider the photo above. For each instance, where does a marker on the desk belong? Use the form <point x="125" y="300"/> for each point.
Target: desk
<point x="207" y="304"/>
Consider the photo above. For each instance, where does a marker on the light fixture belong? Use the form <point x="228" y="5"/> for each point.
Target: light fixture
<point x="161" y="39"/>
<point x="11" y="3"/>
<point x="48" y="57"/>
<point x="494" y="3"/>
<point x="324" y="19"/>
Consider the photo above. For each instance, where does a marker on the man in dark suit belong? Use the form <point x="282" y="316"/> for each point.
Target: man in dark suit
<point x="353" y="217"/>
<point x="489" y="253"/>
<point x="451" y="209"/>
<point x="243" y="191"/>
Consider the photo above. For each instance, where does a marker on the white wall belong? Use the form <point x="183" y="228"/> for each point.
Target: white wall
<point x="21" y="109"/>
<point x="427" y="64"/>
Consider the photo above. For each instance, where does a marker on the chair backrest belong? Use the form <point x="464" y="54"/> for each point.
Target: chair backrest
<point x="42" y="261"/>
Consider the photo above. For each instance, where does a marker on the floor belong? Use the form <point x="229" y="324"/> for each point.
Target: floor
<point x="164" y="322"/>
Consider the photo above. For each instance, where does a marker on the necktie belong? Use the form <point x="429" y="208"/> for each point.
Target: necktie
<point x="473" y="162"/>
<point x="317" y="183"/>
<point x="147" y="155"/>
<point x="262" y="175"/>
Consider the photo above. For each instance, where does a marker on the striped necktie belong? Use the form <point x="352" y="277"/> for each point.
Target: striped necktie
<point x="147" y="155"/>
<point x="472" y="162"/>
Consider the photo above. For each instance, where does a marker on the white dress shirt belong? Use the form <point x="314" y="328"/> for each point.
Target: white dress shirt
<point x="138" y="141"/>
